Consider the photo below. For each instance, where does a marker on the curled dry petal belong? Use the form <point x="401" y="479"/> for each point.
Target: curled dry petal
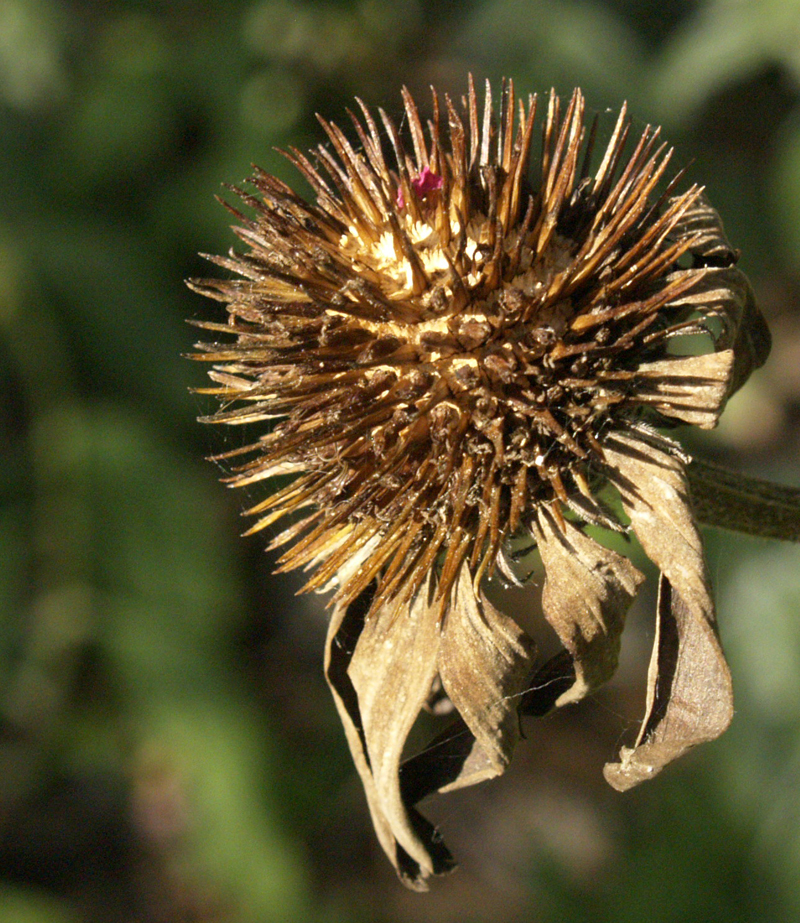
<point x="380" y="668"/>
<point x="744" y="329"/>
<point x="587" y="592"/>
<point x="484" y="661"/>
<point x="689" y="694"/>
<point x="691" y="389"/>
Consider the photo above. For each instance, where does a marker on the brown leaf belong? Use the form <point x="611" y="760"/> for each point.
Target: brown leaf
<point x="587" y="591"/>
<point x="485" y="660"/>
<point x="689" y="695"/>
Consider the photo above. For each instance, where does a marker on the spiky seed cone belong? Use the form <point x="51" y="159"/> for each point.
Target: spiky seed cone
<point x="444" y="336"/>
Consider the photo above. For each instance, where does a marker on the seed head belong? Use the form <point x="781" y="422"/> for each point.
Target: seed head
<point x="468" y="336"/>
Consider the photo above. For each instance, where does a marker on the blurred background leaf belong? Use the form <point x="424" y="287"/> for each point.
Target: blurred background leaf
<point x="168" y="749"/>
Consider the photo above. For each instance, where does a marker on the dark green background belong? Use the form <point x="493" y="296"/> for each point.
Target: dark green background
<point x="168" y="749"/>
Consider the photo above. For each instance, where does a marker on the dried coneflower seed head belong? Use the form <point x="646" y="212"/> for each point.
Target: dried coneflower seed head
<point x="468" y="336"/>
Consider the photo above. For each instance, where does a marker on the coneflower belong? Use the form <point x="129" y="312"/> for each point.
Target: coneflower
<point x="467" y="338"/>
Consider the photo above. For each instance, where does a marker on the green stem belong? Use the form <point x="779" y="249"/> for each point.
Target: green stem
<point x="730" y="500"/>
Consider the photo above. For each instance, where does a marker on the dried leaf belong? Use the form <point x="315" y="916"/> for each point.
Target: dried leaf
<point x="689" y="695"/>
<point x="587" y="591"/>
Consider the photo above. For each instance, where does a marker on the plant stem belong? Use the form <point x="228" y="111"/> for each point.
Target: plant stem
<point x="731" y="500"/>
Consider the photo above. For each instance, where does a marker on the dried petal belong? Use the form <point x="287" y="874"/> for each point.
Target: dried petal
<point x="484" y="662"/>
<point x="748" y="334"/>
<point x="380" y="670"/>
<point x="746" y="331"/>
<point x="689" y="697"/>
<point x="587" y="592"/>
<point x="692" y="389"/>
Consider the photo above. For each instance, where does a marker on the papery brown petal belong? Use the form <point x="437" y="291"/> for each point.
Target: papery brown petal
<point x="587" y="591"/>
<point x="343" y="631"/>
<point x="484" y="661"/>
<point x="674" y="697"/>
<point x="380" y="671"/>
<point x="746" y="331"/>
<point x="692" y="389"/>
<point x="689" y="695"/>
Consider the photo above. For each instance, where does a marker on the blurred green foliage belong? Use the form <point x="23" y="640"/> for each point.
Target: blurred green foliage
<point x="168" y="750"/>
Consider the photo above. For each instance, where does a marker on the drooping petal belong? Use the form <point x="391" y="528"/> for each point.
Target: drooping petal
<point x="380" y="671"/>
<point x="689" y="695"/>
<point x="692" y="389"/>
<point x="587" y="592"/>
<point x="485" y="660"/>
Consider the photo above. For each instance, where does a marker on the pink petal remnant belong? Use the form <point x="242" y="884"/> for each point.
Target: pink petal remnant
<point x="426" y="182"/>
